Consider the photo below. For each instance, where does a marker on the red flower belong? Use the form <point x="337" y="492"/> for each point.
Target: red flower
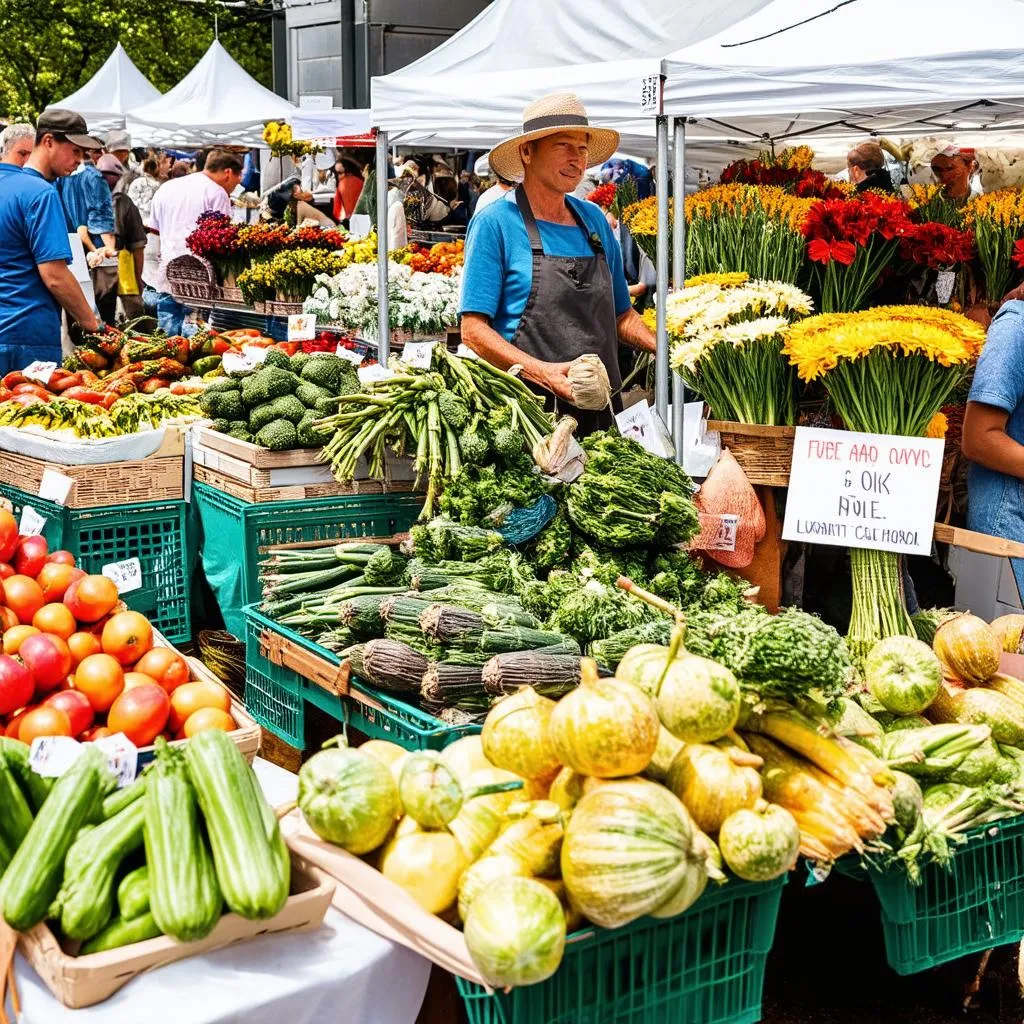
<point x="1018" y="252"/>
<point x="936" y="245"/>
<point x="824" y="252"/>
<point x="603" y="195"/>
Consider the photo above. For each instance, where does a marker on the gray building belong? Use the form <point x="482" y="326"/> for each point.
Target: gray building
<point x="334" y="47"/>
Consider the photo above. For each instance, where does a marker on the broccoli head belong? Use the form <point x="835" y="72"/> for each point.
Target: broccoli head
<point x="222" y="384"/>
<point x="222" y="405"/>
<point x="349" y="384"/>
<point x="298" y="361"/>
<point x="508" y="442"/>
<point x="287" y="407"/>
<point x="266" y="383"/>
<point x="310" y="394"/>
<point x="308" y="436"/>
<point x="222" y="426"/>
<point x="276" y="357"/>
<point x="453" y="410"/>
<point x="473" y="447"/>
<point x="324" y="370"/>
<point x="277" y="435"/>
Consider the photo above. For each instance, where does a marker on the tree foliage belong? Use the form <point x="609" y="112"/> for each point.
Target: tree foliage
<point x="55" y="46"/>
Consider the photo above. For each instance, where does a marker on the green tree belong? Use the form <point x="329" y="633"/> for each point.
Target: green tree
<point x="56" y="46"/>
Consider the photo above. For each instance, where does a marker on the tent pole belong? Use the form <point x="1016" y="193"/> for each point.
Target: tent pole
<point x="661" y="370"/>
<point x="678" y="265"/>
<point x="383" y="315"/>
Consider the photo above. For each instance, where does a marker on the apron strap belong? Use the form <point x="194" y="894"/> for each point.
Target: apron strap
<point x="533" y="232"/>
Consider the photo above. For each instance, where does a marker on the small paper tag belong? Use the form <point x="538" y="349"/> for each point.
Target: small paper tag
<point x="642" y="424"/>
<point x="301" y="326"/>
<point x="52" y="756"/>
<point x="463" y="352"/>
<point x="350" y="354"/>
<point x="418" y="354"/>
<point x="725" y="538"/>
<point x="373" y="373"/>
<point x="40" y="371"/>
<point x="55" y="487"/>
<point x="127" y="575"/>
<point x="32" y="523"/>
<point x="245" y="361"/>
<point x="649" y="88"/>
<point x="943" y="286"/>
<point x="122" y="757"/>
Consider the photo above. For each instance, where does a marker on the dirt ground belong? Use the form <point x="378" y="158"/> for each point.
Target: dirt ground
<point x="828" y="967"/>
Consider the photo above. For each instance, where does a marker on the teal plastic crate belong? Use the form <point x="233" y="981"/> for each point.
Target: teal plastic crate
<point x="277" y="696"/>
<point x="705" y="966"/>
<point x="155" y="534"/>
<point x="234" y="531"/>
<point x="976" y="904"/>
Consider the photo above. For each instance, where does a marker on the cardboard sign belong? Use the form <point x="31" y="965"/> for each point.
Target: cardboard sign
<point x="642" y="424"/>
<point x="418" y="354"/>
<point x="857" y="490"/>
<point x="40" y="371"/>
<point x="127" y="575"/>
<point x="350" y="354"/>
<point x="301" y="326"/>
<point x="373" y="373"/>
<point x="55" y="486"/>
<point x="245" y="361"/>
<point x="32" y="523"/>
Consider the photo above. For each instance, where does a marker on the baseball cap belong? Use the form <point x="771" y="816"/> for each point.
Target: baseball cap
<point x="72" y="126"/>
<point x="118" y="140"/>
<point x="109" y="164"/>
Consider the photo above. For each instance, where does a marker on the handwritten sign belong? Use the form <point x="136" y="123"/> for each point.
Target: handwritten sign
<point x="650" y="88"/>
<point x="52" y="756"/>
<point x="301" y="327"/>
<point x="642" y="424"/>
<point x="245" y="361"/>
<point x="725" y="537"/>
<point x="418" y="354"/>
<point x="127" y="575"/>
<point x="863" y="490"/>
<point x="32" y="523"/>
<point x="40" y="371"/>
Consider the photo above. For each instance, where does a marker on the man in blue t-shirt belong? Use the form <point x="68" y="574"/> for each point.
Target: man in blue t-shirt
<point x="35" y="281"/>
<point x="543" y="282"/>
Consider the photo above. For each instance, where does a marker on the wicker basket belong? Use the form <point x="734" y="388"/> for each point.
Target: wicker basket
<point x="231" y="293"/>
<point x="282" y="308"/>
<point x="764" y="453"/>
<point x="191" y="279"/>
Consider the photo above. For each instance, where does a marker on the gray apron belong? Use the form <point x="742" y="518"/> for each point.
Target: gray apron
<point x="570" y="312"/>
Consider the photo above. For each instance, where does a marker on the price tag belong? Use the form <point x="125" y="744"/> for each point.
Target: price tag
<point x="32" y="523"/>
<point x="418" y="354"/>
<point x="373" y="373"/>
<point x="55" y="486"/>
<point x="122" y="757"/>
<point x="642" y="424"/>
<point x="301" y="326"/>
<point x="650" y="88"/>
<point x="725" y="538"/>
<point x="944" y="286"/>
<point x="245" y="361"/>
<point x="52" y="756"/>
<point x="127" y="575"/>
<point x="39" y="371"/>
<point x="464" y="352"/>
<point x="350" y="354"/>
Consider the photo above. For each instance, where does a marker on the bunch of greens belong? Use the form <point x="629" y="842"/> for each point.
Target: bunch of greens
<point x="480" y="492"/>
<point x="442" y="539"/>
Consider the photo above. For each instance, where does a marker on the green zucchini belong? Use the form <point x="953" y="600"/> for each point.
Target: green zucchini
<point x="247" y="849"/>
<point x="15" y="814"/>
<point x="33" y="878"/>
<point x="133" y="894"/>
<point x="86" y="899"/>
<point x="183" y="894"/>
<point x="122" y="933"/>
<point x="6" y="853"/>
<point x="35" y="787"/>
<point x="121" y="798"/>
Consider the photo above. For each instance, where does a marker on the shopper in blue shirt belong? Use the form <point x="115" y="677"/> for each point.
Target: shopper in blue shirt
<point x="35" y="281"/>
<point x="543" y="280"/>
<point x="89" y="205"/>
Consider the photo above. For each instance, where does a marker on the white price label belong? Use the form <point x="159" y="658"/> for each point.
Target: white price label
<point x="122" y="757"/>
<point x="725" y="538"/>
<point x="350" y="354"/>
<point x="127" y="575"/>
<point x="245" y="361"/>
<point x="944" y="286"/>
<point x="52" y="756"/>
<point x="39" y="371"/>
<point x="650" y="94"/>
<point x="55" y="486"/>
<point x="301" y="326"/>
<point x="642" y="424"/>
<point x="32" y="523"/>
<point x="373" y="373"/>
<point x="465" y="352"/>
<point x="418" y="354"/>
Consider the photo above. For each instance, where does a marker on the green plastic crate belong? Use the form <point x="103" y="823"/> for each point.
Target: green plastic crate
<point x="704" y="967"/>
<point x="234" y="531"/>
<point x="155" y="534"/>
<point x="977" y="904"/>
<point x="276" y="697"/>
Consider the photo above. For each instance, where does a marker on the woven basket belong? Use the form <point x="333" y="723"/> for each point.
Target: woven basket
<point x="231" y="293"/>
<point x="191" y="279"/>
<point x="763" y="452"/>
<point x="283" y="308"/>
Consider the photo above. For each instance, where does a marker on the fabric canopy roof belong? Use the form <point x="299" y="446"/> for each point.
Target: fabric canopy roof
<point x="798" y="67"/>
<point x="472" y="89"/>
<point x="118" y="86"/>
<point x="322" y="125"/>
<point x="217" y="101"/>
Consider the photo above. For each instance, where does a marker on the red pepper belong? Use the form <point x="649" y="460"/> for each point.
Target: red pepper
<point x="72" y="380"/>
<point x="32" y="389"/>
<point x="28" y="398"/>
<point x="14" y="378"/>
<point x="80" y="394"/>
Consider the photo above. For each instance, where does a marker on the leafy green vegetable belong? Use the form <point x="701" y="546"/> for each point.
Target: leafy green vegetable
<point x="609" y="651"/>
<point x="442" y="539"/>
<point x="385" y="569"/>
<point x="553" y="544"/>
<point x="478" y="491"/>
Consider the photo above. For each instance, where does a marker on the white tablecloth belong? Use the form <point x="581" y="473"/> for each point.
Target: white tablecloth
<point x="342" y="973"/>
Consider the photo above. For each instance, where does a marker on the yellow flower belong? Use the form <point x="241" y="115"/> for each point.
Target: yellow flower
<point x="732" y="280"/>
<point x="1004" y="207"/>
<point x="937" y="426"/>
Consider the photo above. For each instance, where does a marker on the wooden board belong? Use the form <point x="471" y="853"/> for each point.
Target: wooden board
<point x="293" y="492"/>
<point x="262" y="458"/>
<point x="981" y="543"/>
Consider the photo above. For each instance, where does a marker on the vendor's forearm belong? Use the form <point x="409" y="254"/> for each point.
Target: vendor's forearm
<point x="139" y="256"/>
<point x="109" y="240"/>
<point x="634" y="332"/>
<point x="486" y="342"/>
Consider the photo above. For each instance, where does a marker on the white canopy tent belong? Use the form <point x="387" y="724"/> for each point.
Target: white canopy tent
<point x="217" y="101"/>
<point x="799" y="67"/>
<point x="327" y="125"/>
<point x="118" y="86"/>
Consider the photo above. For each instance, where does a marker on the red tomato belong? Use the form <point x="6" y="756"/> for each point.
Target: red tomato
<point x="15" y="723"/>
<point x="127" y="636"/>
<point x="30" y="555"/>
<point x="61" y="557"/>
<point x="6" y="570"/>
<point x="8" y="620"/>
<point x="101" y="679"/>
<point x="55" y="577"/>
<point x="23" y="596"/>
<point x="97" y="732"/>
<point x="140" y="713"/>
<point x="191" y="697"/>
<point x="47" y="657"/>
<point x="16" y="685"/>
<point x="133" y="679"/>
<point x="208" y="718"/>
<point x="76" y="706"/>
<point x="8" y="535"/>
<point x="55" y="618"/>
<point x="14" y="636"/>
<point x="44" y="721"/>
<point x="91" y="597"/>
<point x="166" y="666"/>
<point x="82" y="645"/>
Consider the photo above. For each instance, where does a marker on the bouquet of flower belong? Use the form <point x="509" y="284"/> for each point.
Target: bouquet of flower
<point x="262" y="240"/>
<point x="998" y="222"/>
<point x="603" y="195"/>
<point x="850" y="242"/>
<point x="726" y="335"/>
<point x="929" y="203"/>
<point x="288" y="276"/>
<point x="317" y="238"/>
<point x="790" y="170"/>
<point x="887" y="370"/>
<point x="278" y="137"/>
<point x="936" y="245"/>
<point x="215" y="238"/>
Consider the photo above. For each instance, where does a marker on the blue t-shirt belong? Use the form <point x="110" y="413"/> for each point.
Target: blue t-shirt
<point x="88" y="200"/>
<point x="33" y="230"/>
<point x="499" y="266"/>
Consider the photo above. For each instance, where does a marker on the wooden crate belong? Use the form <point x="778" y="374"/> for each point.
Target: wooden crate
<point x="290" y="492"/>
<point x="84" y="981"/>
<point x="102" y="484"/>
<point x="253" y="454"/>
<point x="764" y="453"/>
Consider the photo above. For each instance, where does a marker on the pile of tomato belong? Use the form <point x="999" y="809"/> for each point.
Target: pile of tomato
<point x="76" y="662"/>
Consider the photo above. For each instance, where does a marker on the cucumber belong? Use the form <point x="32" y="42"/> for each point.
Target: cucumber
<point x="15" y="814"/>
<point x="35" y="787"/>
<point x="133" y="894"/>
<point x="122" y="933"/>
<point x="121" y="798"/>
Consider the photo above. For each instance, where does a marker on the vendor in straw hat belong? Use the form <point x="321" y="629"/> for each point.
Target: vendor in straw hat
<point x="543" y="280"/>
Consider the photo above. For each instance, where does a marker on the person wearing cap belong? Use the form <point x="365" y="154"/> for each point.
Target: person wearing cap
<point x="954" y="168"/>
<point x="130" y="239"/>
<point x="543" y="280"/>
<point x="35" y="280"/>
<point x="119" y="144"/>
<point x="16" y="143"/>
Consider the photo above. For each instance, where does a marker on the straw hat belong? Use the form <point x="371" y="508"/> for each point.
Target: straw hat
<point x="556" y="112"/>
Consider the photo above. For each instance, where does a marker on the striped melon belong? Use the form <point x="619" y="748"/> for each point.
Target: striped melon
<point x="977" y="705"/>
<point x="968" y="649"/>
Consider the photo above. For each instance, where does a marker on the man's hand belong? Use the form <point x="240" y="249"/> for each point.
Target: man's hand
<point x="1017" y="293"/>
<point x="556" y="380"/>
<point x="90" y="325"/>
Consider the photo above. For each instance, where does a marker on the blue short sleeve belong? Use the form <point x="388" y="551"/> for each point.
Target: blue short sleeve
<point x="999" y="376"/>
<point x="99" y="205"/>
<point x="483" y="273"/>
<point x="47" y="229"/>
